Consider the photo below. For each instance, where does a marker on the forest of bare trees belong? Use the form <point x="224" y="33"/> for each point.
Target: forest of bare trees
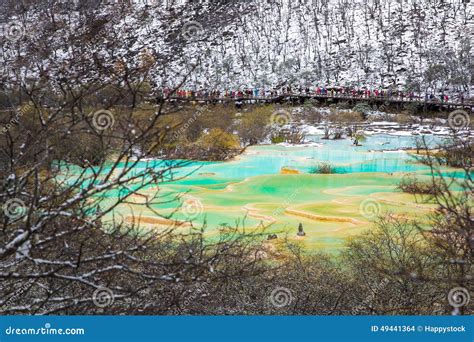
<point x="80" y="94"/>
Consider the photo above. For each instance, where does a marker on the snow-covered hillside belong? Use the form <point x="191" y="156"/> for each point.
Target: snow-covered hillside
<point x="352" y="42"/>
<point x="418" y="45"/>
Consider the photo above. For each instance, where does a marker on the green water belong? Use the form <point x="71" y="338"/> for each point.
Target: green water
<point x="252" y="191"/>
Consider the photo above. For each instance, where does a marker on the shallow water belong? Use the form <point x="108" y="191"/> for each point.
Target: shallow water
<point x="252" y="191"/>
<point x="346" y="158"/>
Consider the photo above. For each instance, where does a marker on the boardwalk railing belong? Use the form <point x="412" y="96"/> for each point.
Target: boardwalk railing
<point x="338" y="97"/>
<point x="301" y="97"/>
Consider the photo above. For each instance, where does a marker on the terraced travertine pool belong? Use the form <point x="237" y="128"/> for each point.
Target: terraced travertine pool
<point x="272" y="186"/>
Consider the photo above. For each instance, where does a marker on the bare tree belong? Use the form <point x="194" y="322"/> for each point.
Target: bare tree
<point x="75" y="146"/>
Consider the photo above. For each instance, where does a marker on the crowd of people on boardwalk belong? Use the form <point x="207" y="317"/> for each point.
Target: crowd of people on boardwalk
<point x="263" y="93"/>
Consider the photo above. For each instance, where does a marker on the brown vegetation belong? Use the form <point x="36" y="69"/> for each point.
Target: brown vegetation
<point x="60" y="162"/>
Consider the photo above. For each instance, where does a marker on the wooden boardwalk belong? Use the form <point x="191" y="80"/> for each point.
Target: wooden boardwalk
<point x="301" y="98"/>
